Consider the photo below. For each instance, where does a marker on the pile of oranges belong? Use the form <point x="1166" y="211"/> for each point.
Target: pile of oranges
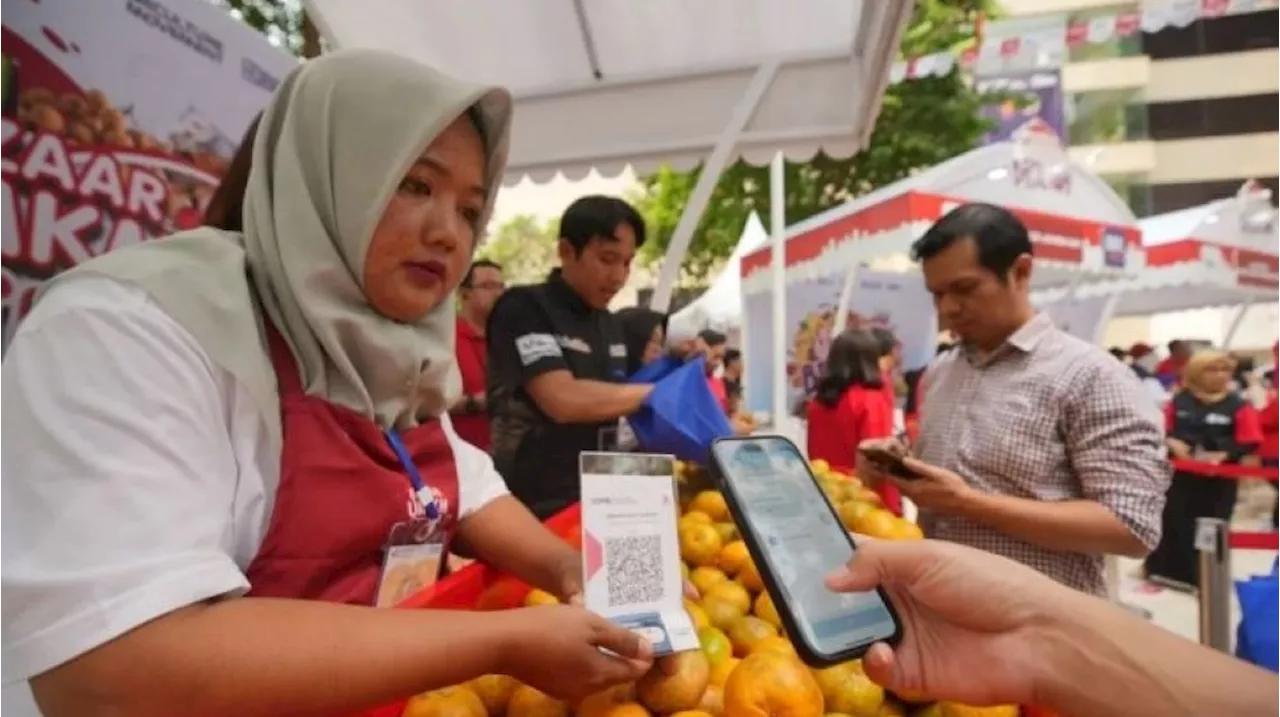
<point x="746" y="667"/>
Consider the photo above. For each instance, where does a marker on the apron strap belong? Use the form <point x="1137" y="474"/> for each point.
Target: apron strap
<point x="282" y="360"/>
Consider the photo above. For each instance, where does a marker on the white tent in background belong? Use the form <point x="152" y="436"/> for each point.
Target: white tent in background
<point x="609" y="83"/>
<point x="720" y="306"/>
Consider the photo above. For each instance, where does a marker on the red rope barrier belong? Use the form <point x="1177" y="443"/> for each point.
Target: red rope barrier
<point x="1244" y="540"/>
<point x="1229" y="471"/>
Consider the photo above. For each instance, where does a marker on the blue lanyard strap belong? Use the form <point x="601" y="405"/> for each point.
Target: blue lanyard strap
<point x="425" y="495"/>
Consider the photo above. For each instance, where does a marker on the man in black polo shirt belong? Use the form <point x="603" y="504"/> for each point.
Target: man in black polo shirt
<point x="557" y="358"/>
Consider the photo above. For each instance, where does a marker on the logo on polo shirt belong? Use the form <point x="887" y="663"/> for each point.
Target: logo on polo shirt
<point x="573" y="343"/>
<point x="535" y="347"/>
<point x="618" y="350"/>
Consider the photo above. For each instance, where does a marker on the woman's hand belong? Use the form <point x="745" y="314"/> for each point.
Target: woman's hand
<point x="1178" y="448"/>
<point x="559" y="650"/>
<point x="959" y="608"/>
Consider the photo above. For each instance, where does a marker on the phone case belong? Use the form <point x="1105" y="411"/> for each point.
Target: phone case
<point x="808" y="653"/>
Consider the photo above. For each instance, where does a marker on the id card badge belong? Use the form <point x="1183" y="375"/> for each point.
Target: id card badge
<point x="412" y="560"/>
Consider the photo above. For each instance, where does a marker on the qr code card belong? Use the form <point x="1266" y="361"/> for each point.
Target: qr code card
<point x="631" y="567"/>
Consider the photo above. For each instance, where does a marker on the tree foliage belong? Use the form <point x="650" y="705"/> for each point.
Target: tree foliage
<point x="284" y="22"/>
<point x="921" y="123"/>
<point x="525" y="247"/>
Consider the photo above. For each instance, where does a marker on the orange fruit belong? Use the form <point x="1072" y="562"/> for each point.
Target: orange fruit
<point x="749" y="578"/>
<point x="694" y="713"/>
<point x="733" y="557"/>
<point x="852" y="513"/>
<point x="494" y="691"/>
<point x="819" y="466"/>
<point x="765" y="610"/>
<point x="777" y="645"/>
<point x="912" y="697"/>
<point x="733" y="592"/>
<point x="712" y="503"/>
<point x="772" y="685"/>
<point x="626" y="709"/>
<point x="889" y="708"/>
<point x="955" y="709"/>
<point x="717" y="646"/>
<point x="599" y="704"/>
<point x="527" y="701"/>
<point x="721" y="611"/>
<point x="878" y="524"/>
<point x="867" y="495"/>
<point x="906" y="530"/>
<point x="540" y="597"/>
<point x="721" y="670"/>
<point x="727" y="531"/>
<point x="746" y="632"/>
<point x="682" y="690"/>
<point x="712" y="702"/>
<point x="695" y="517"/>
<point x="446" y="702"/>
<point x="684" y="570"/>
<point x="846" y="689"/>
<point x="697" y="614"/>
<point x="699" y="543"/>
<point x="706" y="576"/>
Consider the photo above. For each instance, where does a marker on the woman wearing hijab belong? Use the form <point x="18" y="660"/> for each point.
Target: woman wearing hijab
<point x="225" y="446"/>
<point x="1208" y="422"/>
<point x="645" y="333"/>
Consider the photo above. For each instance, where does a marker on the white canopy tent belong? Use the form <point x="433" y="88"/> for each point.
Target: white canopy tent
<point x="609" y="83"/>
<point x="1081" y="230"/>
<point x="1223" y="253"/>
<point x="720" y="306"/>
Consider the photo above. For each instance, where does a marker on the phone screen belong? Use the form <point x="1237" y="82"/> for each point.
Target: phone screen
<point x="802" y="540"/>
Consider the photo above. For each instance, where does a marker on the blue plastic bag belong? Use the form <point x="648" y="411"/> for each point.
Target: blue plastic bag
<point x="680" y="416"/>
<point x="656" y="370"/>
<point x="1257" y="639"/>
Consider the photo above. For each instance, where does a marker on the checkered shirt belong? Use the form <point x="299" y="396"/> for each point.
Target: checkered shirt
<point x="1046" y="417"/>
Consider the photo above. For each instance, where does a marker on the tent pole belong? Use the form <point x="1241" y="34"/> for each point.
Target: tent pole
<point x="851" y="278"/>
<point x="1108" y="311"/>
<point x="712" y="168"/>
<point x="778" y="269"/>
<point x="1234" y="327"/>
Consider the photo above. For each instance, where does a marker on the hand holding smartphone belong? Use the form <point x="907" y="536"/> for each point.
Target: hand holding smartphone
<point x="796" y="538"/>
<point x="888" y="457"/>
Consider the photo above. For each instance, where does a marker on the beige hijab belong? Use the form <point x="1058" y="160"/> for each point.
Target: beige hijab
<point x="332" y="146"/>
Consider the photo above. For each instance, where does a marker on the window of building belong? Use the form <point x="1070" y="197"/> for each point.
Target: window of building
<point x="1232" y="33"/>
<point x="1106" y="117"/>
<point x="1115" y="47"/>
<point x="1172" y="197"/>
<point x="1134" y="190"/>
<point x="1214" y="118"/>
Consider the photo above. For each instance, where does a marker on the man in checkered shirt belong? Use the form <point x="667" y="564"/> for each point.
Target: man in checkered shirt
<point x="1033" y="443"/>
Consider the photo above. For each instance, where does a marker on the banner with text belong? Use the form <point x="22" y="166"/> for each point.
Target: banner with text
<point x="898" y="302"/>
<point x="119" y="117"/>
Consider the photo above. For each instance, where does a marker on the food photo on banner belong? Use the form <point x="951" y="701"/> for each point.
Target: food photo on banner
<point x="898" y="302"/>
<point x="1025" y="96"/>
<point x="119" y="119"/>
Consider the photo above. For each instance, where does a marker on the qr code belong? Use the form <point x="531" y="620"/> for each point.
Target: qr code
<point x="634" y="567"/>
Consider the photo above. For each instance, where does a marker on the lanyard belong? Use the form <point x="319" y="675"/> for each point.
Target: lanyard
<point x="425" y="496"/>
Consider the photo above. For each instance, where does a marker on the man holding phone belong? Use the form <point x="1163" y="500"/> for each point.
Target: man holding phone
<point x="1033" y="444"/>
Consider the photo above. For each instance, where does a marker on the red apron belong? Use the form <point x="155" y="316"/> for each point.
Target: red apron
<point x="341" y="490"/>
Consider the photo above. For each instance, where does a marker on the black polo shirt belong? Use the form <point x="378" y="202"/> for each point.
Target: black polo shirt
<point x="533" y="330"/>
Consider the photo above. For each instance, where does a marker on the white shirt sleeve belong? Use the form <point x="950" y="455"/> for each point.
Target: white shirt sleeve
<point x="478" y="481"/>
<point x="119" y="476"/>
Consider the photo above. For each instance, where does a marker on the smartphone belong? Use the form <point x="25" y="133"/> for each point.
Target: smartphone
<point x="796" y="538"/>
<point x="888" y="461"/>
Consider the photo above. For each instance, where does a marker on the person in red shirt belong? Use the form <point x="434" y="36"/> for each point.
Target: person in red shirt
<point x="716" y="344"/>
<point x="1269" y="420"/>
<point x="479" y="291"/>
<point x="1169" y="370"/>
<point x="849" y="406"/>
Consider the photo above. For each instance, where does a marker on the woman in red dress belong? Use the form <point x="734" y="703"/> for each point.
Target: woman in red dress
<point x="850" y="406"/>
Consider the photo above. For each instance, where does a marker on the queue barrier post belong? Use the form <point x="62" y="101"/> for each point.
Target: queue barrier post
<point x="1215" y="583"/>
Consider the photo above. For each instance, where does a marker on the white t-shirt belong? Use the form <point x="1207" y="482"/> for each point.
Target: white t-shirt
<point x="138" y="476"/>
